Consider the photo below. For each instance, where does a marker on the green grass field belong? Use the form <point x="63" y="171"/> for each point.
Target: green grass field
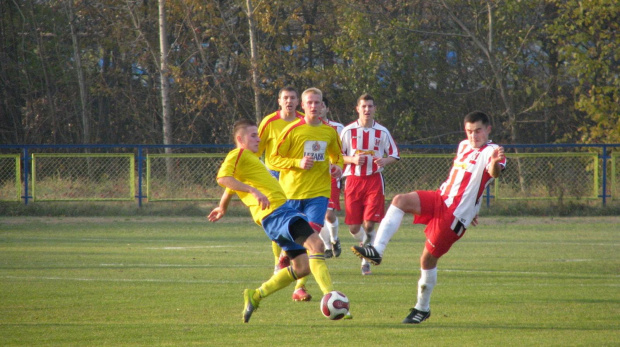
<point x="178" y="281"/>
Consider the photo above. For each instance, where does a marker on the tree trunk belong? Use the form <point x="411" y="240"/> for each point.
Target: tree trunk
<point x="165" y="84"/>
<point x="487" y="50"/>
<point x="80" y="75"/>
<point x="254" y="61"/>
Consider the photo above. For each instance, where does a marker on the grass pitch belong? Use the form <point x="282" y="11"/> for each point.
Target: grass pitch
<point x="178" y="282"/>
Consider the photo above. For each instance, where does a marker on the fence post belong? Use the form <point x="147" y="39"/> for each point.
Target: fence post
<point x="139" y="176"/>
<point x="26" y="173"/>
<point x="604" y="156"/>
<point x="488" y="196"/>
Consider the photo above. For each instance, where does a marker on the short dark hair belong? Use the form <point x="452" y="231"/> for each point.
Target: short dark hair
<point x="325" y="101"/>
<point x="240" y="125"/>
<point x="477" y="116"/>
<point x="287" y="89"/>
<point x="366" y="97"/>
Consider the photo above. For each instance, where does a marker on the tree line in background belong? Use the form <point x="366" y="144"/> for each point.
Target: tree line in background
<point x="78" y="71"/>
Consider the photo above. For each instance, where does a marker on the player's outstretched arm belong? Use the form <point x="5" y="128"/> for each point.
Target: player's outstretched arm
<point x="219" y="212"/>
<point x="236" y="185"/>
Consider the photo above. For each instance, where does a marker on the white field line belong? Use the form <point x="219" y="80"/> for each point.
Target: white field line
<point x="174" y="265"/>
<point x="181" y="248"/>
<point x="363" y="283"/>
<point x="129" y="280"/>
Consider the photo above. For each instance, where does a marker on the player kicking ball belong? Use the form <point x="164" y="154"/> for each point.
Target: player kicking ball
<point x="446" y="212"/>
<point x="244" y="174"/>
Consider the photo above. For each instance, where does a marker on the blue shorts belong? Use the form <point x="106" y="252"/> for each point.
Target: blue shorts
<point x="276" y="226"/>
<point x="314" y="208"/>
<point x="275" y="174"/>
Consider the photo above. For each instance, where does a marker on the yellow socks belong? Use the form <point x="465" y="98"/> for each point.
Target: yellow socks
<point x="301" y="282"/>
<point x="278" y="281"/>
<point x="276" y="251"/>
<point x="319" y="270"/>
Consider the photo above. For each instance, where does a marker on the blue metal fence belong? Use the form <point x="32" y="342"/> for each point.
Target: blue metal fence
<point x="604" y="153"/>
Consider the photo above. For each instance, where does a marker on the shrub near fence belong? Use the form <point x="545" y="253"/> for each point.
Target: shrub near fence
<point x="557" y="176"/>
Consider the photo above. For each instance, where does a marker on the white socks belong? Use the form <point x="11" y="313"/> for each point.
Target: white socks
<point x="333" y="230"/>
<point x="388" y="227"/>
<point x="428" y="279"/>
<point x="360" y="236"/>
<point x="324" y="234"/>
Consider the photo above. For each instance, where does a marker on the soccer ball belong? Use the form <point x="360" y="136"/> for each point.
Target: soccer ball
<point x="334" y="305"/>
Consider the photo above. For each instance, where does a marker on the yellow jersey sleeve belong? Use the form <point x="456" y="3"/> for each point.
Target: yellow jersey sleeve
<point x="269" y="129"/>
<point x="299" y="140"/>
<point x="246" y="167"/>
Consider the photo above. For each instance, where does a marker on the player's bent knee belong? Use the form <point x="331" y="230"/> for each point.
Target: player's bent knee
<point x="354" y="228"/>
<point x="314" y="244"/>
<point x="399" y="200"/>
<point x="428" y="261"/>
<point x="301" y="269"/>
<point x="330" y="216"/>
<point x="407" y="202"/>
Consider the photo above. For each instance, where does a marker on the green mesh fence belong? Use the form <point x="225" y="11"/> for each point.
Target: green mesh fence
<point x="416" y="172"/>
<point x="529" y="176"/>
<point x="169" y="177"/>
<point x="10" y="177"/>
<point x="83" y="177"/>
<point x="183" y="177"/>
<point x="532" y="176"/>
<point x="192" y="176"/>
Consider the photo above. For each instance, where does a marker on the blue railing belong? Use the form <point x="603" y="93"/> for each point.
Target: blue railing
<point x="26" y="150"/>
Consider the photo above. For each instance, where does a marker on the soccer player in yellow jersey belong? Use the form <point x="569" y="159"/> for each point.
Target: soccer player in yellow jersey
<point x="243" y="173"/>
<point x="272" y="125"/>
<point x="308" y="152"/>
<point x="268" y="130"/>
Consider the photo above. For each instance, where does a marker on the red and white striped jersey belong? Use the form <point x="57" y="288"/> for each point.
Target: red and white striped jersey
<point x="375" y="141"/>
<point x="468" y="179"/>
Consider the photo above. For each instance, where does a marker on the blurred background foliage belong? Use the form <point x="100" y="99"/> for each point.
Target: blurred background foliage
<point x="77" y="71"/>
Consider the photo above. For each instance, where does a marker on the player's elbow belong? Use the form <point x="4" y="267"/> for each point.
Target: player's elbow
<point x="222" y="181"/>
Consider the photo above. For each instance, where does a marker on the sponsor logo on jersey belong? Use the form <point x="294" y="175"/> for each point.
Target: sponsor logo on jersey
<point x="315" y="149"/>
<point x="363" y="152"/>
<point x="458" y="165"/>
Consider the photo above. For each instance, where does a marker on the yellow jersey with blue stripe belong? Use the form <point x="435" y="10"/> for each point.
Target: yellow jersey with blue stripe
<point x="245" y="166"/>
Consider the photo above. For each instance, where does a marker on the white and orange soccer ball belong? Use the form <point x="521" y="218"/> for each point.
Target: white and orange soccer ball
<point x="334" y="305"/>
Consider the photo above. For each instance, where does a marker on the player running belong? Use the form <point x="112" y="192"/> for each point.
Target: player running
<point x="243" y="173"/>
<point x="268" y="130"/>
<point x="368" y="147"/>
<point x="306" y="152"/>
